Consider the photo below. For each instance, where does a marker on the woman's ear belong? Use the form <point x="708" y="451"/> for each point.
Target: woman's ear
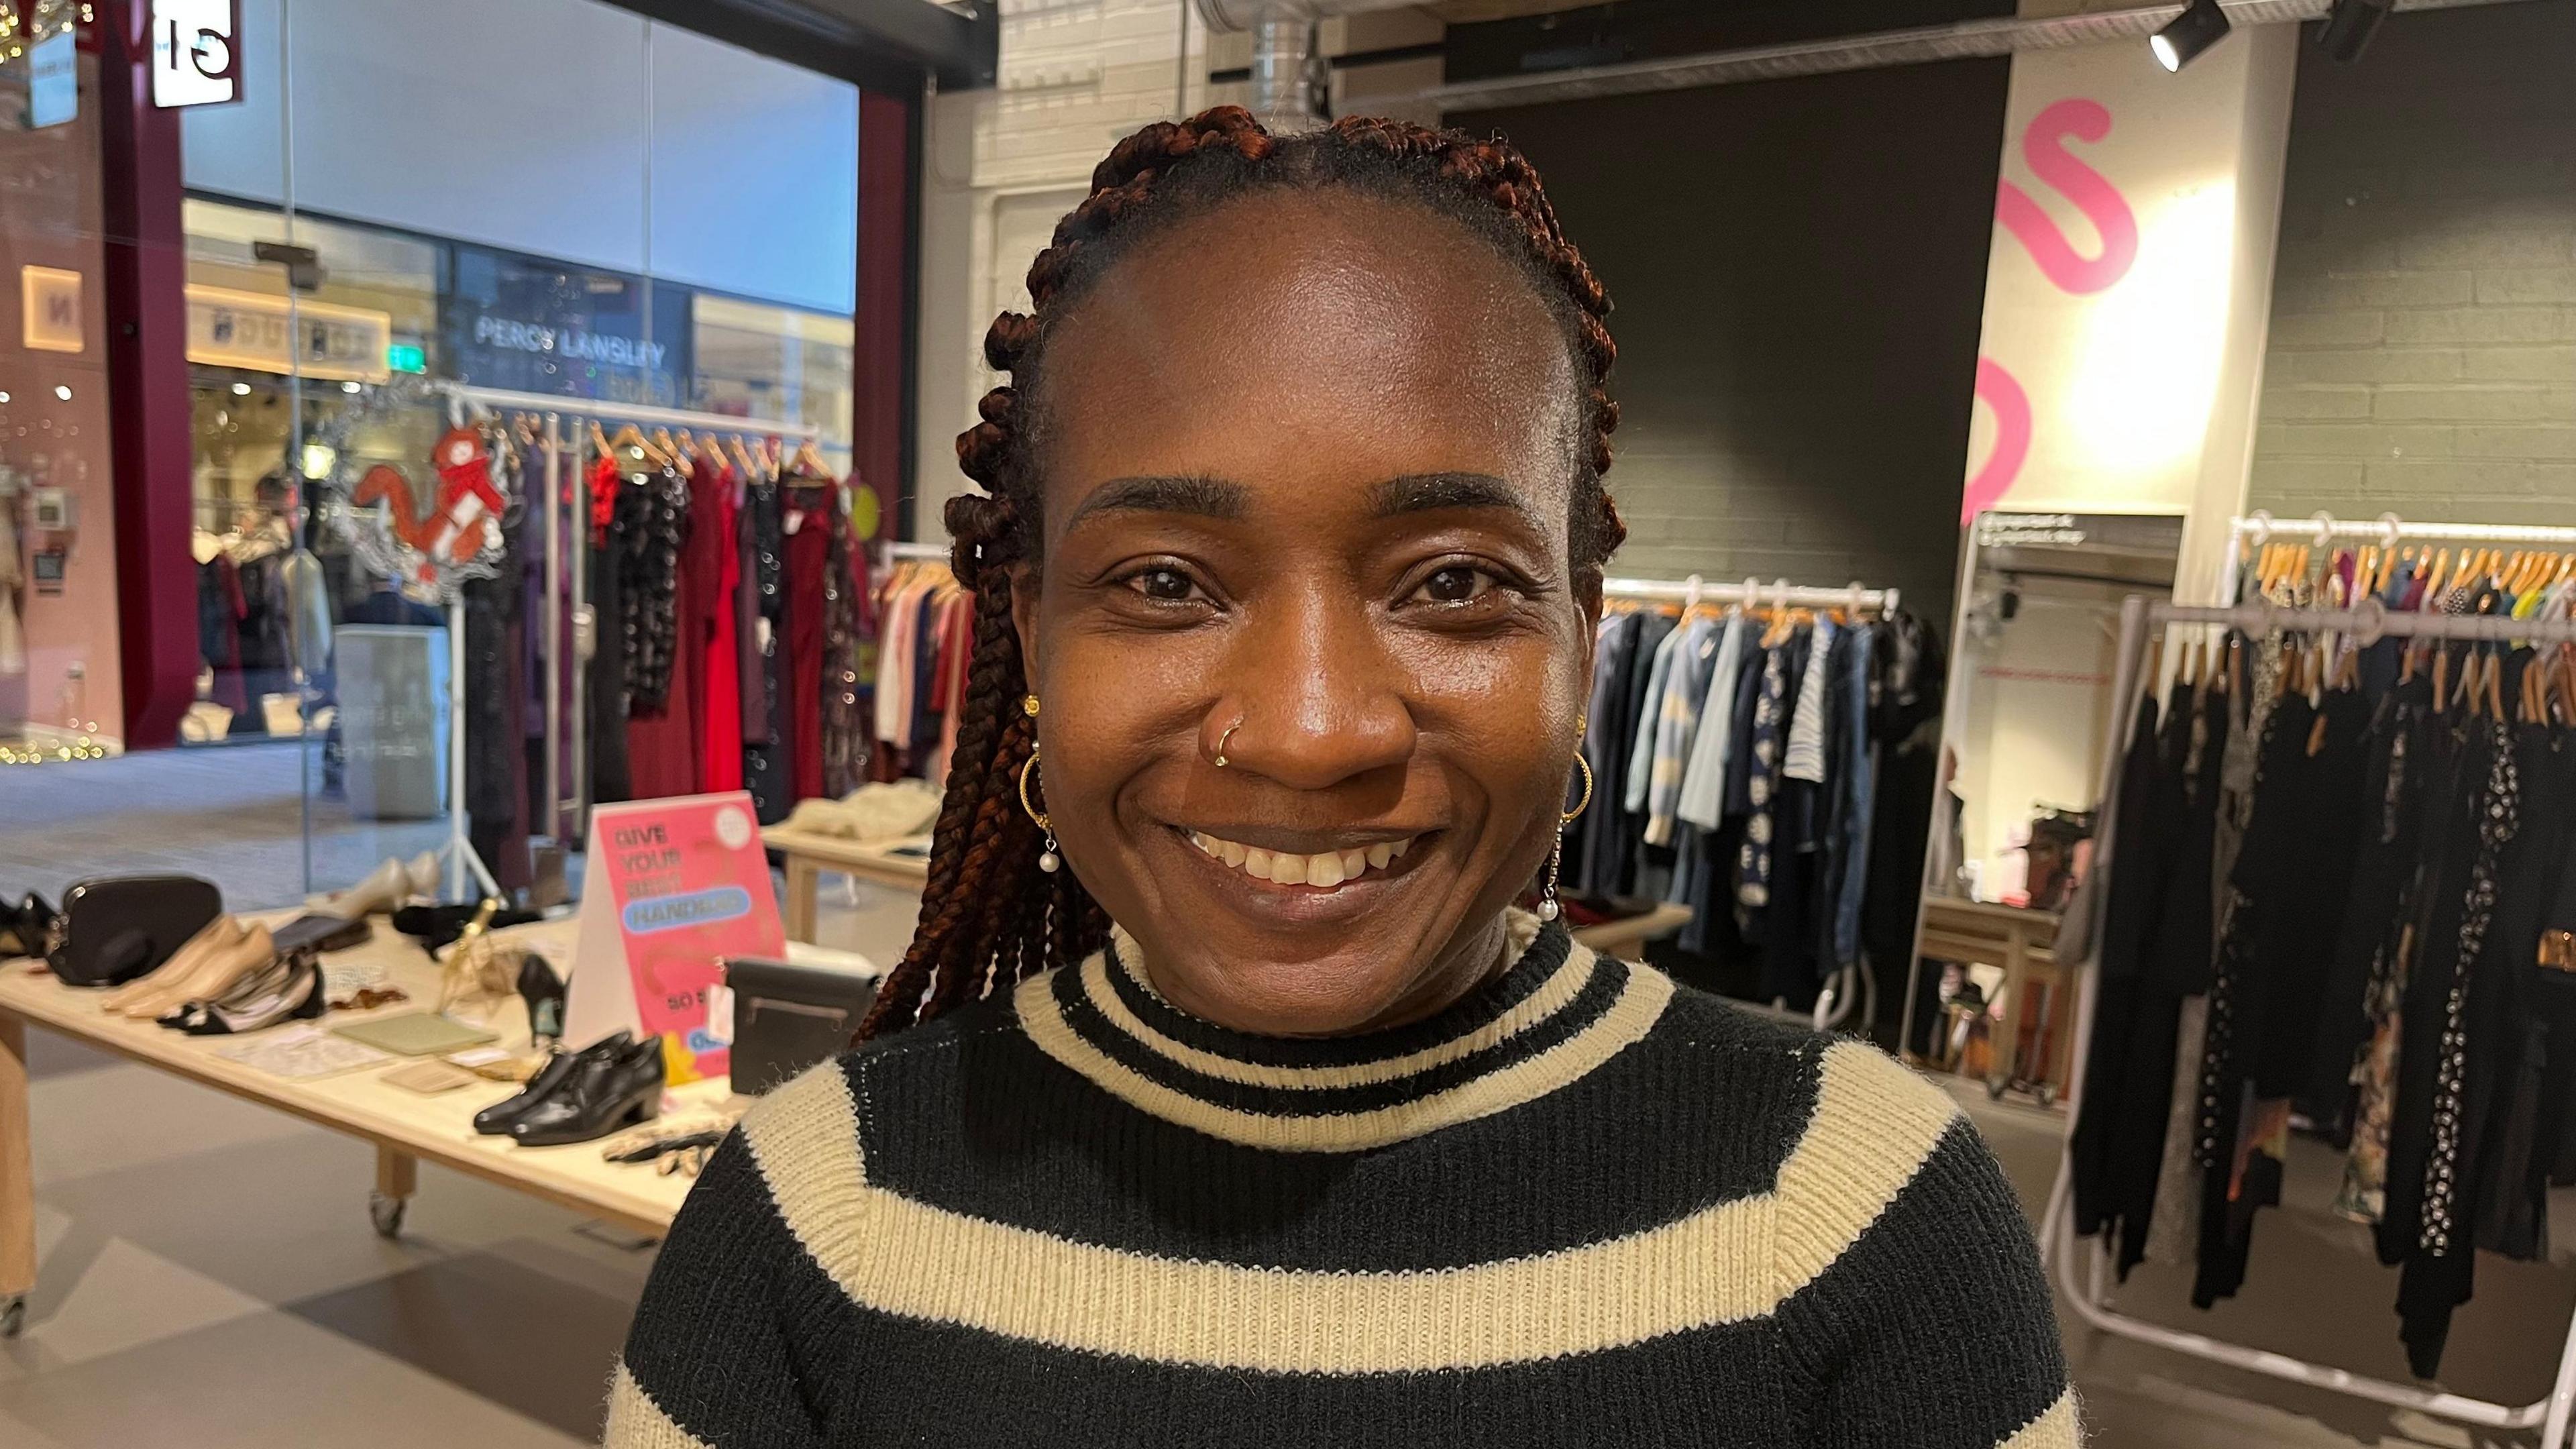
<point x="1587" y="597"/>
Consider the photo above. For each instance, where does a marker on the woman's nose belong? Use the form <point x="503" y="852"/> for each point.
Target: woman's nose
<point x="1314" y="701"/>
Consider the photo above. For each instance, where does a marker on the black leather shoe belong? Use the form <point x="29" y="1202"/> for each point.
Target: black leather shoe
<point x="497" y="1119"/>
<point x="604" y="1095"/>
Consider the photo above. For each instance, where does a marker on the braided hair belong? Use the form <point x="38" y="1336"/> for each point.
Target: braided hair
<point x="989" y="915"/>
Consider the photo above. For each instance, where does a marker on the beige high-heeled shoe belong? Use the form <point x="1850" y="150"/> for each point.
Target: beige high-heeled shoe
<point x="215" y="934"/>
<point x="215" y="973"/>
<point x="387" y="886"/>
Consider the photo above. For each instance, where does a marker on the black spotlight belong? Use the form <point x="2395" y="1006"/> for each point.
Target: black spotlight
<point x="2201" y="25"/>
<point x="2349" y="28"/>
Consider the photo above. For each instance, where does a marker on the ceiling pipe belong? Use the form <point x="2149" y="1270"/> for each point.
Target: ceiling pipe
<point x="1962" y="40"/>
<point x="1283" y="50"/>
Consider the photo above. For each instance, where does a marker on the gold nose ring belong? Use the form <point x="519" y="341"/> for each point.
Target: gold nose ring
<point x="1220" y="742"/>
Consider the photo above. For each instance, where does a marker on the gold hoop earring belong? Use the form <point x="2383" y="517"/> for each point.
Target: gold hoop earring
<point x="1548" y="907"/>
<point x="1221" y="761"/>
<point x="1048" y="859"/>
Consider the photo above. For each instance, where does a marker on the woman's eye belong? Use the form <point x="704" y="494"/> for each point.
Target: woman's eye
<point x="1164" y="586"/>
<point x="1456" y="585"/>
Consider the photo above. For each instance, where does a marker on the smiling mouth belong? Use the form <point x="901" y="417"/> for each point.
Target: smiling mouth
<point x="1324" y="870"/>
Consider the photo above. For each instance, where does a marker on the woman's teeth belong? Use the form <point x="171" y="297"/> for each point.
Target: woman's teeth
<point x="1328" y="869"/>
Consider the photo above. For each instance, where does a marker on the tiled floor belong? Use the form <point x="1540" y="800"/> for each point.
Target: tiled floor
<point x="234" y="814"/>
<point x="210" y="1279"/>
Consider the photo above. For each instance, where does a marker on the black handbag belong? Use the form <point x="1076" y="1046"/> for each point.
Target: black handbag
<point x="788" y="1017"/>
<point x="119" y="927"/>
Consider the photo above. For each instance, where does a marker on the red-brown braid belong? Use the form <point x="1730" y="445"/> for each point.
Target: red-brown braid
<point x="989" y="916"/>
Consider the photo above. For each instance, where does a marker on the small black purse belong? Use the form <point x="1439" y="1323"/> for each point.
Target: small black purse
<point x="787" y="1017"/>
<point x="119" y="927"/>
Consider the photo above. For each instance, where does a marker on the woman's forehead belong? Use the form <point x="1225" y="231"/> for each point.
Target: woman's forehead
<point x="1308" y="330"/>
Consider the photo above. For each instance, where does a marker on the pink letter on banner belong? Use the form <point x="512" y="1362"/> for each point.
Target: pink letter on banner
<point x="2002" y="392"/>
<point x="2043" y="147"/>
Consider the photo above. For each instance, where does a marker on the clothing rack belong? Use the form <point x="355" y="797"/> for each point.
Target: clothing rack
<point x="2324" y="530"/>
<point x="1851" y="986"/>
<point x="906" y="550"/>
<point x="2139" y="617"/>
<point x="563" y="516"/>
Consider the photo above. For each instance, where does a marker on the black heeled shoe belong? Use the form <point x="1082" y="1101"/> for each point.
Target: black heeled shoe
<point x="604" y="1095"/>
<point x="27" y="928"/>
<point x="497" y="1119"/>
<point x="545" y="994"/>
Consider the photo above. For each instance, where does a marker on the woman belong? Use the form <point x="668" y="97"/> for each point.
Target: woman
<point x="1287" y="576"/>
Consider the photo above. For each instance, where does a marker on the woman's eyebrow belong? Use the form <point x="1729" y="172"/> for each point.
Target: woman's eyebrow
<point x="1425" y="492"/>
<point x="1206" y="497"/>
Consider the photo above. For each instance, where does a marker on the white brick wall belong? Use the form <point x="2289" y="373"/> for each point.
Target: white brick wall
<point x="1004" y="164"/>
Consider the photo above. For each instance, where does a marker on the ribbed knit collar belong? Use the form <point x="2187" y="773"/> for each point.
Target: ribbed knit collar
<point x="1554" y="1015"/>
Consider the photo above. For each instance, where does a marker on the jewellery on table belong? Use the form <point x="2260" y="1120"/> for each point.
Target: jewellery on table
<point x="1220" y="742"/>
<point x="1048" y="860"/>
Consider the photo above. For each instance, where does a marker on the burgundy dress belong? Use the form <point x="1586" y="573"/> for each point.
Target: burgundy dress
<point x="809" y="562"/>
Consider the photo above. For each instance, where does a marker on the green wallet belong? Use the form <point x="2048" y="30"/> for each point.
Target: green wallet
<point x="415" y="1034"/>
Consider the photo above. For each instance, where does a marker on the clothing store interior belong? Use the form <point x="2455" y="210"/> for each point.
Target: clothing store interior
<point x="479" y="649"/>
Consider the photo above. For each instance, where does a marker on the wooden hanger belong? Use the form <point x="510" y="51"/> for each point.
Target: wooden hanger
<point x="809" y="460"/>
<point x="599" y="440"/>
<point x="630" y="438"/>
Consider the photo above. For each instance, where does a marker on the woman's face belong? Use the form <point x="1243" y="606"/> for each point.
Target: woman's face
<point x="1308" y="460"/>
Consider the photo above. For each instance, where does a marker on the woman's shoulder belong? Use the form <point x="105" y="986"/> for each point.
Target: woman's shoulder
<point x="1836" y="1105"/>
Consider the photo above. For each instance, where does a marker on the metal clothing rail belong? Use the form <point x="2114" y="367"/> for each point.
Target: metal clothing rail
<point x="502" y="399"/>
<point x="904" y="549"/>
<point x="1852" y="985"/>
<point x="2140" y="616"/>
<point x="2324" y="528"/>
<point x="1752" y="593"/>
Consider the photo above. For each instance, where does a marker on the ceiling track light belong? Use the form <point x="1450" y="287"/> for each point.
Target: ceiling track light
<point x="2200" y="25"/>
<point x="2350" y="26"/>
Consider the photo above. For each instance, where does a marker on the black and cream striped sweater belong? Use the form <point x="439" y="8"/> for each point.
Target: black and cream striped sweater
<point x="1582" y="1206"/>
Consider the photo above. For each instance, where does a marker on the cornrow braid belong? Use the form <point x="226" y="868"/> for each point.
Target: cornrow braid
<point x="989" y="916"/>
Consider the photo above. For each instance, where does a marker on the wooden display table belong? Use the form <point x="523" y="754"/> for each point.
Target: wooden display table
<point x="406" y="1127"/>
<point x="2018" y="939"/>
<point x="1626" y="937"/>
<point x="809" y="853"/>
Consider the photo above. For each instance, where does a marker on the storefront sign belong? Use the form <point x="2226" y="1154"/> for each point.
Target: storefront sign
<point x="255" y="331"/>
<point x="53" y="80"/>
<point x="570" y="342"/>
<point x="531" y="326"/>
<point x="50" y="305"/>
<point x="675" y="887"/>
<point x="196" y="52"/>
